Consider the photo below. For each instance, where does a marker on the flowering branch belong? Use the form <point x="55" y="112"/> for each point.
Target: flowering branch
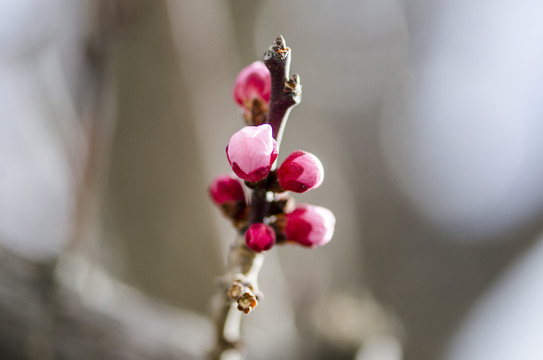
<point x="267" y="95"/>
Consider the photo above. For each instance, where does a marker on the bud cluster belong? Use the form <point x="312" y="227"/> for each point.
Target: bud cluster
<point x="252" y="153"/>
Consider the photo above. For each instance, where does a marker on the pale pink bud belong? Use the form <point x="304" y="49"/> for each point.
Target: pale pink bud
<point x="253" y="81"/>
<point x="300" y="172"/>
<point x="225" y="188"/>
<point x="252" y="151"/>
<point x="310" y="225"/>
<point x="259" y="237"/>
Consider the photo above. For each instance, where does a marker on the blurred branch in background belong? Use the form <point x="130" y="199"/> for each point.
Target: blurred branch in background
<point x="58" y="94"/>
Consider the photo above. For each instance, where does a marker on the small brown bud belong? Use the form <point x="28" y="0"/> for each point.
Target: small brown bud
<point x="247" y="302"/>
<point x="235" y="291"/>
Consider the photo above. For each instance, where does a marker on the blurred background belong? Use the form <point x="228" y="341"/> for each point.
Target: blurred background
<point x="426" y="115"/>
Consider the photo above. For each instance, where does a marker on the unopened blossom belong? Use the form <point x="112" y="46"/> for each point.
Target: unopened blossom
<point x="259" y="237"/>
<point x="301" y="171"/>
<point x="225" y="188"/>
<point x="253" y="82"/>
<point x="252" y="151"/>
<point x="310" y="225"/>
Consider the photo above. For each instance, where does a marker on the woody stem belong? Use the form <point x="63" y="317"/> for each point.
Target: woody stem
<point x="285" y="92"/>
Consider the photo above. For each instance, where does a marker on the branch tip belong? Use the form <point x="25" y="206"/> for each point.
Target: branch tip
<point x="280" y="42"/>
<point x="279" y="50"/>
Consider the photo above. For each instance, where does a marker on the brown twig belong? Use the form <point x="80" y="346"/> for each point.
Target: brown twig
<point x="285" y="92"/>
<point x="239" y="286"/>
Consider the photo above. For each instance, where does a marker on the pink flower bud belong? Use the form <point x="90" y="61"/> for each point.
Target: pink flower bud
<point x="259" y="237"/>
<point x="253" y="81"/>
<point x="252" y="151"/>
<point x="310" y="225"/>
<point x="300" y="172"/>
<point x="225" y="188"/>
